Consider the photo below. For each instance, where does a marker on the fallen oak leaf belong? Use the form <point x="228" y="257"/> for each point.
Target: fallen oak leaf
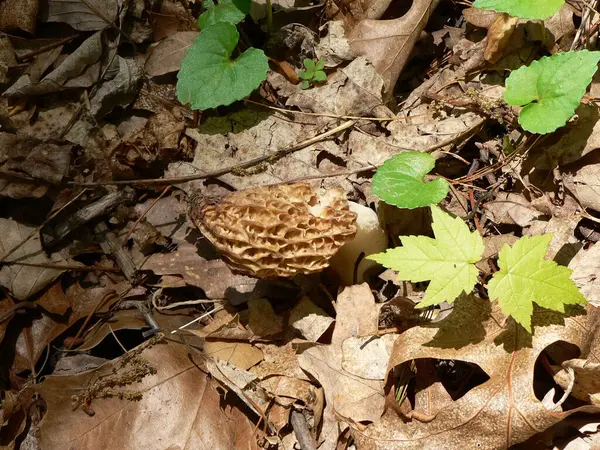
<point x="168" y="415"/>
<point x="498" y="413"/>
<point x="346" y="395"/>
<point x="388" y="43"/>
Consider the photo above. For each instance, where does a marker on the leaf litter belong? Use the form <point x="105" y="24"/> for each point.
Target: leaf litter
<point x="122" y="324"/>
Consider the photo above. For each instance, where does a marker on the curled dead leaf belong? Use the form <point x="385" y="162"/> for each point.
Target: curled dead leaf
<point x="499" y="34"/>
<point x="388" y="43"/>
<point x="498" y="413"/>
<point x="168" y="414"/>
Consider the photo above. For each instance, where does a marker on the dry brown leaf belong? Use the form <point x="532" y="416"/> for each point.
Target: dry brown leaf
<point x="560" y="28"/>
<point x="511" y="208"/>
<point x="83" y="15"/>
<point x="586" y="273"/>
<point x="247" y="134"/>
<point x="586" y="377"/>
<point x="80" y="69"/>
<point x="493" y="244"/>
<point x="572" y="142"/>
<point x="19" y="15"/>
<point x="180" y="408"/>
<point x="173" y="16"/>
<point x="498" y="37"/>
<point x="169" y="53"/>
<point x="239" y="354"/>
<point x="502" y="411"/>
<point x="420" y="134"/>
<point x="564" y="245"/>
<point x="39" y="159"/>
<point x="388" y="43"/>
<point x="212" y="276"/>
<point x="279" y="360"/>
<point x="351" y="11"/>
<point x="367" y="357"/>
<point x="82" y="362"/>
<point x="129" y="319"/>
<point x="47" y="328"/>
<point x="583" y="180"/>
<point x="334" y="48"/>
<point x="310" y="320"/>
<point x="480" y="17"/>
<point x="355" y="90"/>
<point x="242" y="382"/>
<point x="346" y="395"/>
<point x="25" y="281"/>
<point x="8" y="58"/>
<point x="289" y="390"/>
<point x="262" y="320"/>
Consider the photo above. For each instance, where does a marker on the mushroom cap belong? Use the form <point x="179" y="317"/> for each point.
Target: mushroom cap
<point x="276" y="231"/>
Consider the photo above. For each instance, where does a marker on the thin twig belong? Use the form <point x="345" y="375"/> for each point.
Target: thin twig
<point x="98" y="305"/>
<point x="302" y="431"/>
<point x="334" y="116"/>
<point x="45" y="48"/>
<point x="197" y="319"/>
<point x="63" y="266"/>
<point x="217" y="173"/>
<point x="137" y="222"/>
<point x="14" y="308"/>
<point x="37" y="230"/>
<point x="117" y="339"/>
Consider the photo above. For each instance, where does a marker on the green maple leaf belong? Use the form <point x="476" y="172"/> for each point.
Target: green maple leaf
<point x="526" y="277"/>
<point x="399" y="181"/>
<point x="209" y="77"/>
<point x="551" y="88"/>
<point x="525" y="9"/>
<point x="232" y="11"/>
<point x="448" y="260"/>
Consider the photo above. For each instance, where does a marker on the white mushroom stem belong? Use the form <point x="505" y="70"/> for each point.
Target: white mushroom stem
<point x="370" y="238"/>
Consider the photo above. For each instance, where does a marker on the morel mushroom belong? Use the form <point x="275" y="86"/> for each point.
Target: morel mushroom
<point x="276" y="231"/>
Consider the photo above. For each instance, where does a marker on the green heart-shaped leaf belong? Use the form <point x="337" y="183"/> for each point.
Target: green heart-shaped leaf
<point x="525" y="9"/>
<point x="399" y="181"/>
<point x="209" y="77"/>
<point x="232" y="11"/>
<point x="551" y="88"/>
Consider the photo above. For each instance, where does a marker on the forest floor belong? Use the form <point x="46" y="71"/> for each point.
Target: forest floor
<point x="139" y="308"/>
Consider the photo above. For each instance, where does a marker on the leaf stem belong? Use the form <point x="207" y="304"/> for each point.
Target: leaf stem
<point x="269" y="16"/>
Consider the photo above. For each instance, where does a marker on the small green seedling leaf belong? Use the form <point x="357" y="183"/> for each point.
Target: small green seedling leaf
<point x="310" y="66"/>
<point x="313" y="73"/>
<point x="399" y="181"/>
<point x="231" y="11"/>
<point x="551" y="88"/>
<point x="448" y="260"/>
<point x="209" y="77"/>
<point x="525" y="9"/>
<point x="526" y="277"/>
<point x="320" y="76"/>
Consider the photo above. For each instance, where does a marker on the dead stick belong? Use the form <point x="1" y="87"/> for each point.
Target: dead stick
<point x="15" y="307"/>
<point x="245" y="165"/>
<point x="63" y="266"/>
<point x="100" y="303"/>
<point x="37" y="230"/>
<point x="302" y="431"/>
<point x="101" y="207"/>
<point x="45" y="48"/>
<point x="137" y="222"/>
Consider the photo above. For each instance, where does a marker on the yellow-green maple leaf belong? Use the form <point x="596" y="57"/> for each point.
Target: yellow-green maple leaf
<point x="526" y="277"/>
<point x="446" y="261"/>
